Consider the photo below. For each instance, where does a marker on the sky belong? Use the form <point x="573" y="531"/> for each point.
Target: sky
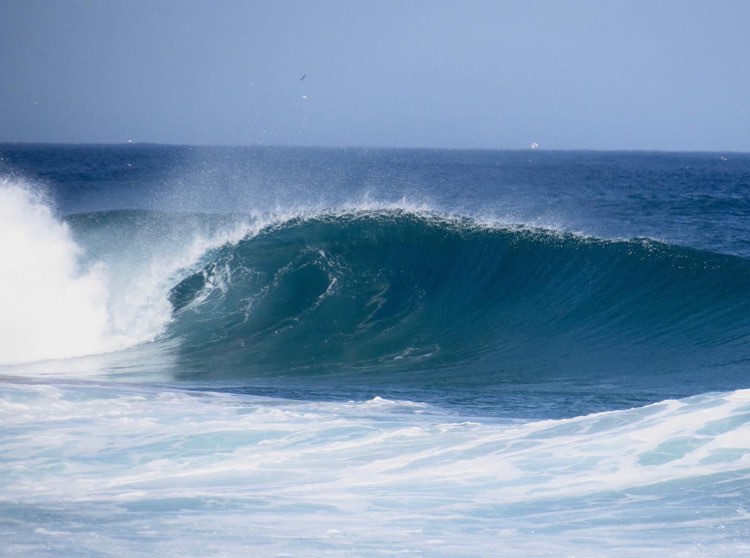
<point x="576" y="74"/>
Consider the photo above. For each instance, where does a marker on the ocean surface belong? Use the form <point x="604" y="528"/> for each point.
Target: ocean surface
<point x="214" y="351"/>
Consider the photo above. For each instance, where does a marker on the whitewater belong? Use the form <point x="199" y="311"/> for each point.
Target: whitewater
<point x="347" y="352"/>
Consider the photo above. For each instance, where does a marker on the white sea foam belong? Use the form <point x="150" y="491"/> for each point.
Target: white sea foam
<point x="54" y="306"/>
<point x="142" y="274"/>
<point x="50" y="307"/>
<point x="219" y="473"/>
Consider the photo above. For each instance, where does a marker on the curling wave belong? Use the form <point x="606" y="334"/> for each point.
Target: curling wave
<point x="388" y="298"/>
<point x="392" y="294"/>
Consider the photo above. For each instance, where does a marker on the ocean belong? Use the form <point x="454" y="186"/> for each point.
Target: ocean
<point x="289" y="351"/>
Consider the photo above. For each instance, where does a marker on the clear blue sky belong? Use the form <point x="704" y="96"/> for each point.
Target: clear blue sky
<point x="668" y="75"/>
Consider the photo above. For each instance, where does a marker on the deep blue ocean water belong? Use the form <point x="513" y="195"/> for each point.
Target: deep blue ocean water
<point x="304" y="351"/>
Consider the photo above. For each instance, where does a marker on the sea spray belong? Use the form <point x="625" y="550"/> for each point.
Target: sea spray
<point x="60" y="300"/>
<point x="51" y="306"/>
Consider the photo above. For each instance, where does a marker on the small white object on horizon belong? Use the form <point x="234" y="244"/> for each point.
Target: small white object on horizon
<point x="534" y="145"/>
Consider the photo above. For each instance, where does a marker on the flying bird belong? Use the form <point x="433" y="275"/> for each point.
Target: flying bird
<point x="303" y="77"/>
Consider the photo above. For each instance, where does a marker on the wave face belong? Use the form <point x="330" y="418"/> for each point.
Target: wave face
<point x="416" y="299"/>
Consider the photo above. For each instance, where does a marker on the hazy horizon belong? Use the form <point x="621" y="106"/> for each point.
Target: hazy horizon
<point x="580" y="75"/>
<point x="366" y="147"/>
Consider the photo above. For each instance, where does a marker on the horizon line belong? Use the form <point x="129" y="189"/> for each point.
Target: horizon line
<point x="366" y="147"/>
